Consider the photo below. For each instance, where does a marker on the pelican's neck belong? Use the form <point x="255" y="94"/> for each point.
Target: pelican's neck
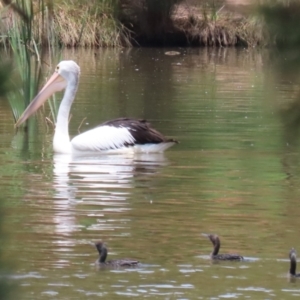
<point x="61" y="141"/>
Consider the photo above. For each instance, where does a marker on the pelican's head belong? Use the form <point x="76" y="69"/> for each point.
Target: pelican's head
<point x="68" y="69"/>
<point x="66" y="72"/>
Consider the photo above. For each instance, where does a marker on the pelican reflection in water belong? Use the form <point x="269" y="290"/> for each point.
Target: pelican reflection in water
<point x="120" y="135"/>
<point x="101" y="186"/>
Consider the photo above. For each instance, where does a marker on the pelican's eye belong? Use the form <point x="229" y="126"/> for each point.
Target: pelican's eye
<point x="57" y="68"/>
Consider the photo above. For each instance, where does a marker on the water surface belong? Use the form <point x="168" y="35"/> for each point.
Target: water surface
<point x="234" y="173"/>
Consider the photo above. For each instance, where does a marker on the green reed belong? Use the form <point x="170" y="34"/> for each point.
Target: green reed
<point x="21" y="43"/>
<point x="27" y="38"/>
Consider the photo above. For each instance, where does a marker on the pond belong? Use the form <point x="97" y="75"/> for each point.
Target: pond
<point x="234" y="173"/>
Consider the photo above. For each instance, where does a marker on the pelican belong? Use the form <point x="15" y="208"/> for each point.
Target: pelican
<point x="119" y="135"/>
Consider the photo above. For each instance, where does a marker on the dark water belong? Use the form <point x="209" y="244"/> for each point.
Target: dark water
<point x="234" y="173"/>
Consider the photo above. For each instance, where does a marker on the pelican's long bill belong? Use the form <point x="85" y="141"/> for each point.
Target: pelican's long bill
<point x="55" y="84"/>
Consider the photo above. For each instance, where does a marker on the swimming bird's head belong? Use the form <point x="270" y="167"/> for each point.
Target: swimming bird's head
<point x="66" y="72"/>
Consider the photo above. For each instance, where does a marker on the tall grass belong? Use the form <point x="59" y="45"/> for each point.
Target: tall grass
<point x="95" y="24"/>
<point x="210" y="23"/>
<point x="23" y="47"/>
<point x="28" y="54"/>
<point x="74" y="23"/>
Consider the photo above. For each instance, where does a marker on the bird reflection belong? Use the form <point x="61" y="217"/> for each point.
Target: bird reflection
<point x="102" y="181"/>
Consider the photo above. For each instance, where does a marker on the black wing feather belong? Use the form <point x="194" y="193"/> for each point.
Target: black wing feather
<point x="141" y="131"/>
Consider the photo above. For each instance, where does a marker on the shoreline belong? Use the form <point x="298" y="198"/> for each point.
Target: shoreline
<point x="184" y="24"/>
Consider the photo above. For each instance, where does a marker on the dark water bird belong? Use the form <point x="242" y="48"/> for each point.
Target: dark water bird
<point x="293" y="266"/>
<point x="217" y="244"/>
<point x="116" y="136"/>
<point x="126" y="262"/>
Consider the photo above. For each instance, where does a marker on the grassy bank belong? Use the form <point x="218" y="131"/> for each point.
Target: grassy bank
<point x="69" y="23"/>
<point x="115" y="23"/>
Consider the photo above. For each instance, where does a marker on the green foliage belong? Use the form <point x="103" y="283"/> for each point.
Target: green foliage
<point x="283" y="22"/>
<point x="28" y="54"/>
<point x="23" y="47"/>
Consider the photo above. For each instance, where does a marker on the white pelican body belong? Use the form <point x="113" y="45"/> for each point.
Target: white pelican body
<point x="120" y="135"/>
